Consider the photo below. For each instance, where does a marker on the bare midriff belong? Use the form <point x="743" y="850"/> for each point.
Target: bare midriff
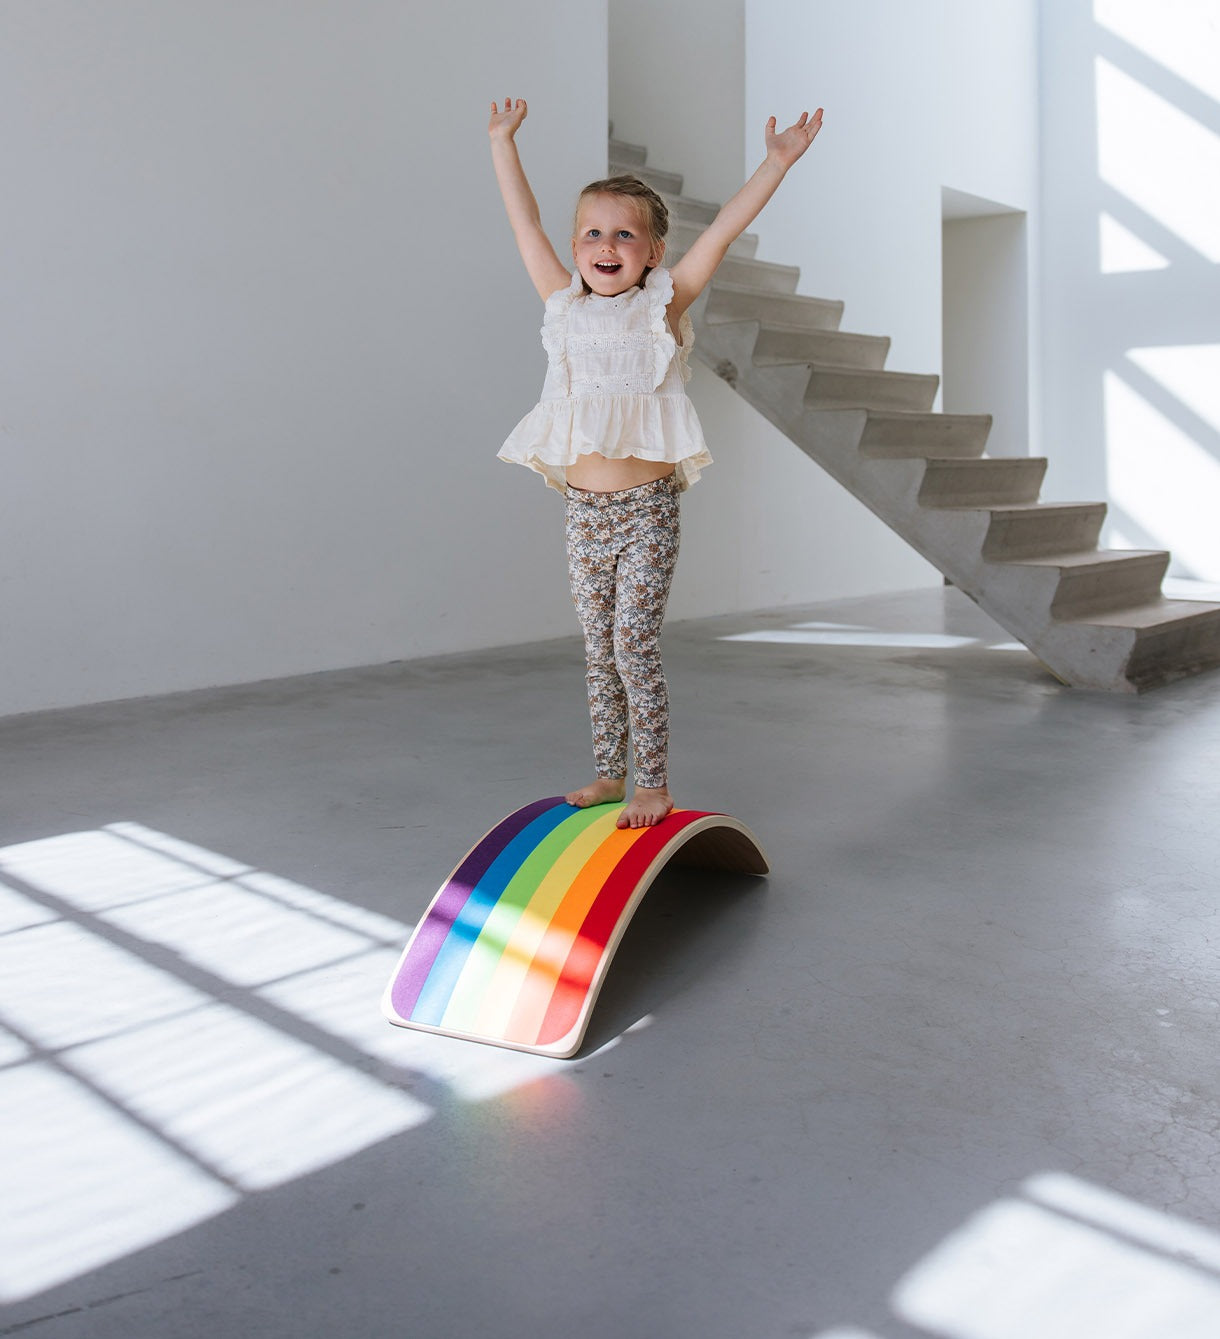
<point x="594" y="473"/>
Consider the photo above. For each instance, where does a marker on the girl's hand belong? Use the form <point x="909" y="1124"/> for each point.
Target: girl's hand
<point x="505" y="124"/>
<point x="692" y="273"/>
<point x="786" y="146"/>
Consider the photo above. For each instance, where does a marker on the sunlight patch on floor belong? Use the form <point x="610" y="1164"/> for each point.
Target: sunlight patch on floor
<point x="1065" y="1260"/>
<point x="83" y="1184"/>
<point x="849" y="1333"/>
<point x="851" y="634"/>
<point x="179" y="1030"/>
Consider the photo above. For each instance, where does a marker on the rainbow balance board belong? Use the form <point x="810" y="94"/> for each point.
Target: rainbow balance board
<point x="516" y="944"/>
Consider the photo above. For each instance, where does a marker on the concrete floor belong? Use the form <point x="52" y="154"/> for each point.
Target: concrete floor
<point x="951" y="1070"/>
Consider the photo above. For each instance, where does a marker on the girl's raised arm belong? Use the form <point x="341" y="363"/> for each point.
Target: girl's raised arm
<point x="544" y="267"/>
<point x="692" y="273"/>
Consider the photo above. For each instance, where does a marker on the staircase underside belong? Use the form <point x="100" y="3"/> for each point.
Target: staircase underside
<point x="1096" y="618"/>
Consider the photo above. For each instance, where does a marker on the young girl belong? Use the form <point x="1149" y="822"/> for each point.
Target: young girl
<point x="615" y="432"/>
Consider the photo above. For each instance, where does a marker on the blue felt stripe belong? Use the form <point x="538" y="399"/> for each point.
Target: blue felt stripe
<point x="429" y="936"/>
<point x="437" y="989"/>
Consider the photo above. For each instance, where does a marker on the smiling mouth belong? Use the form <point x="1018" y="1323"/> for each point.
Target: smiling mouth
<point x="607" y="266"/>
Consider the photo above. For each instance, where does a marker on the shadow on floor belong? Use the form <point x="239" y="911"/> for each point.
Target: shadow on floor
<point x="687" y="923"/>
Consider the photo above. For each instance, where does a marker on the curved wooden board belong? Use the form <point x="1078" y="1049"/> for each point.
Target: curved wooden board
<point x="514" y="947"/>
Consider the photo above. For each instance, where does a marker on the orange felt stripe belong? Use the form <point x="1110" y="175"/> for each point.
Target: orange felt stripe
<point x="543" y="975"/>
<point x="617" y="893"/>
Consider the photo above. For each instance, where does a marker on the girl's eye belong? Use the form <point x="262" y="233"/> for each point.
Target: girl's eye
<point x="625" y="234"/>
<point x="595" y="232"/>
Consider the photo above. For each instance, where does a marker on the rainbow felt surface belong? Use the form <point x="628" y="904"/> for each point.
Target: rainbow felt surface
<point x="515" y="944"/>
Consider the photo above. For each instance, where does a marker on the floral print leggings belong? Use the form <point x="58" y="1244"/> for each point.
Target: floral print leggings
<point x="622" y="548"/>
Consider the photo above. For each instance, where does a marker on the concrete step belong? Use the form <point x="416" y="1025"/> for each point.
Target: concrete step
<point x="987" y="481"/>
<point x="735" y="302"/>
<point x="632" y="155"/>
<point x="779" y="344"/>
<point x="850" y="388"/>
<point x="910" y="436"/>
<point x="690" y="209"/>
<point x="664" y="183"/>
<point x="682" y="234"/>
<point x="746" y="272"/>
<point x="1042" y="528"/>
<point x="1105" y="579"/>
<point x="740" y="270"/>
<point x="1173" y="639"/>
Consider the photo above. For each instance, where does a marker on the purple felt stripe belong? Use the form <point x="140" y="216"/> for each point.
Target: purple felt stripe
<point x="432" y="931"/>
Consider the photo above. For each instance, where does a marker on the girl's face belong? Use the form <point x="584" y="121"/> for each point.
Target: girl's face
<point x="611" y="247"/>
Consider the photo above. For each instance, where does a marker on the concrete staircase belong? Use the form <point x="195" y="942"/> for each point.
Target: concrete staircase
<point x="1096" y="618"/>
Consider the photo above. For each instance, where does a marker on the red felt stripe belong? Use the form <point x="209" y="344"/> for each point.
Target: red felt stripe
<point x="580" y="968"/>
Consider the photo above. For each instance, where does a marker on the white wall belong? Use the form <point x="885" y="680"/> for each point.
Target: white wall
<point x="264" y="330"/>
<point x="985" y="357"/>
<point x="677" y="75"/>
<point x="765" y="527"/>
<point x="918" y="97"/>
<point x="1131" y="243"/>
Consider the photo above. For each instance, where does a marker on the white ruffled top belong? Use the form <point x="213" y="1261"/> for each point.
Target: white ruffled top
<point x="615" y="384"/>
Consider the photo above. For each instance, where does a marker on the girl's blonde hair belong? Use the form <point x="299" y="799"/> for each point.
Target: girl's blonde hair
<point x="653" y="214"/>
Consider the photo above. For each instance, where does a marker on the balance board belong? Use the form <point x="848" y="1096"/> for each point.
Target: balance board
<point x="515" y="945"/>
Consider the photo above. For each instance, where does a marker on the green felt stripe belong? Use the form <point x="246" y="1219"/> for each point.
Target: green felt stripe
<point x="487" y="950"/>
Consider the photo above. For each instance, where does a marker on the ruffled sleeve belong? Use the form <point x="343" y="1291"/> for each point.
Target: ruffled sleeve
<point x="659" y="287"/>
<point x="554" y="322"/>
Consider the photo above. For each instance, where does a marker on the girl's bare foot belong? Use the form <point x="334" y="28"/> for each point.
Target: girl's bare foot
<point x="605" y="790"/>
<point x="647" y="807"/>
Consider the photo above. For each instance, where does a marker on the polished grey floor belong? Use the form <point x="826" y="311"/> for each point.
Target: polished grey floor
<point x="951" y="1070"/>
